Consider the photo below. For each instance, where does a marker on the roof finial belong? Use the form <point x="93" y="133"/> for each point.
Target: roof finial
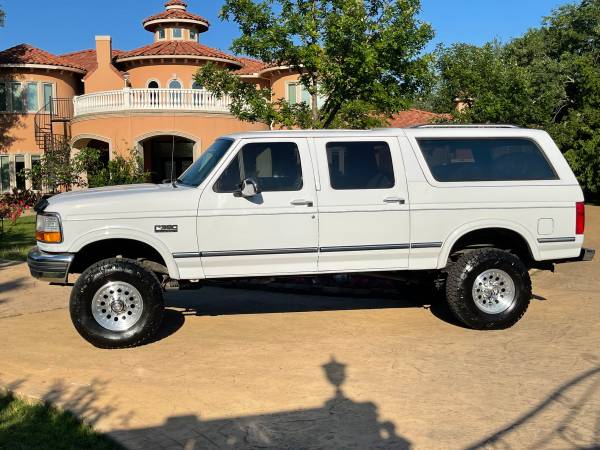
<point x="176" y="4"/>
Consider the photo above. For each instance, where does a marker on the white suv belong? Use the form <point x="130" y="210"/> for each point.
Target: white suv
<point x="474" y="206"/>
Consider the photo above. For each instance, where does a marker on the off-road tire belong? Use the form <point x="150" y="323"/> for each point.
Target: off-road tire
<point x="117" y="269"/>
<point x="459" y="283"/>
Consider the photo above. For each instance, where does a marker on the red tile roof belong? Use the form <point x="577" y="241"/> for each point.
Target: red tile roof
<point x="413" y="117"/>
<point x="174" y="15"/>
<point x="26" y="54"/>
<point x="178" y="48"/>
<point x="86" y="58"/>
<point x="251" y="66"/>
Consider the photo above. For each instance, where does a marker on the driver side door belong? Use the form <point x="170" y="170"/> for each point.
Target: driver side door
<point x="273" y="232"/>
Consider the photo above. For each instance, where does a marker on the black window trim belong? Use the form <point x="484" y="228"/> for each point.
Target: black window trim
<point x="369" y="141"/>
<point x="483" y="138"/>
<point x="240" y="148"/>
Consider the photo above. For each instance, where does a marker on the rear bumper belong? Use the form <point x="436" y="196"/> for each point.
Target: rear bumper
<point x="51" y="267"/>
<point x="586" y="254"/>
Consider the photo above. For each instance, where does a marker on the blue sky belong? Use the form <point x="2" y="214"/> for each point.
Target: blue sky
<point x="69" y="25"/>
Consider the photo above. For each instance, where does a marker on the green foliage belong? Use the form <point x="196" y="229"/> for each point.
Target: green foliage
<point x="548" y="78"/>
<point x="28" y="425"/>
<point x="128" y="169"/>
<point x="363" y="57"/>
<point x="2" y="15"/>
<point x="58" y="171"/>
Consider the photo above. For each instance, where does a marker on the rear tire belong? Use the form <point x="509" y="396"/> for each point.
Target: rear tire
<point x="117" y="303"/>
<point x="488" y="289"/>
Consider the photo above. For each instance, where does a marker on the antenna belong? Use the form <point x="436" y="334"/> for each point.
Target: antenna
<point x="173" y="183"/>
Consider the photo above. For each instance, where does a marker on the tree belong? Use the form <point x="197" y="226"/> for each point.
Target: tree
<point x="360" y="58"/>
<point x="2" y="15"/>
<point x="549" y="78"/>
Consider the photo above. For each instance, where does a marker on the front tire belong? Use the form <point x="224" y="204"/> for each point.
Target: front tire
<point x="117" y="303"/>
<point x="488" y="289"/>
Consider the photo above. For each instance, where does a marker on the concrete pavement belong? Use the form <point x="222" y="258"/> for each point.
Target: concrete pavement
<point x="249" y="369"/>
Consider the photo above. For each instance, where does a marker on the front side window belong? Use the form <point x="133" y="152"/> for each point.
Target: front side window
<point x="204" y="165"/>
<point x="360" y="165"/>
<point x="501" y="159"/>
<point x="275" y="166"/>
<point x="177" y="33"/>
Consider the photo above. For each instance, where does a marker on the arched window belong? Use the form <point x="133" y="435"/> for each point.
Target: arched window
<point x="196" y="85"/>
<point x="153" y="84"/>
<point x="174" y="84"/>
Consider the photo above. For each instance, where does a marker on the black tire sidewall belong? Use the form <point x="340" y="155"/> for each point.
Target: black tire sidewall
<point x="97" y="276"/>
<point x="472" y="266"/>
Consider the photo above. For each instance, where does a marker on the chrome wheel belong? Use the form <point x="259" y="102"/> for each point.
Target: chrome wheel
<point x="493" y="291"/>
<point x="117" y="306"/>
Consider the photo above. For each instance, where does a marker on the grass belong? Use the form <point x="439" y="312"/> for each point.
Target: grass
<point x="31" y="425"/>
<point x="17" y="239"/>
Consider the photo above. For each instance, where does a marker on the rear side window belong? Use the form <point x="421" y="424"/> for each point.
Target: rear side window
<point x="360" y="165"/>
<point x="512" y="159"/>
<point x="275" y="166"/>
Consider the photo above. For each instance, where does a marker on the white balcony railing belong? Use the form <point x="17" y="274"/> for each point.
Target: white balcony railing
<point x="150" y="100"/>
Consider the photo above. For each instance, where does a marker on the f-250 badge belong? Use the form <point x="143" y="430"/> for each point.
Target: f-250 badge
<point x="165" y="228"/>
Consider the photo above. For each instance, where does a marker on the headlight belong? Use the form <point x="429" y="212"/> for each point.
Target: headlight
<point x="48" y="229"/>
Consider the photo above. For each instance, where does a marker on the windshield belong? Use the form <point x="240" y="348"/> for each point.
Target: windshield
<point x="204" y="165"/>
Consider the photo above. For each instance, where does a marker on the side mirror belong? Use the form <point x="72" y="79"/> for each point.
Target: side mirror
<point x="248" y="188"/>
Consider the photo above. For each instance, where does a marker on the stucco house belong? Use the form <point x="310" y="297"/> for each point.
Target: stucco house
<point x="113" y="100"/>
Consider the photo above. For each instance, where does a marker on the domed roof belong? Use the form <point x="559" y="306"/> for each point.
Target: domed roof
<point x="176" y="13"/>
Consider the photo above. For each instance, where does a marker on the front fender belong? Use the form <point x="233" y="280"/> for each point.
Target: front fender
<point x="103" y="233"/>
<point x="460" y="231"/>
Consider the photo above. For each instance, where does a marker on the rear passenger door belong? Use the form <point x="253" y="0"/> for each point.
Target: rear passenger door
<point x="363" y="205"/>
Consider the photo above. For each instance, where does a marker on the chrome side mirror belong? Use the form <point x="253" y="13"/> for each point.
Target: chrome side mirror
<point x="248" y="188"/>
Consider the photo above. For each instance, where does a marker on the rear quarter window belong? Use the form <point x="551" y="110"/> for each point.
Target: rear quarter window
<point x="506" y="159"/>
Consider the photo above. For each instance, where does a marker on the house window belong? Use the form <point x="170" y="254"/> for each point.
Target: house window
<point x="18" y="103"/>
<point x="36" y="183"/>
<point x="19" y="167"/>
<point x="31" y="95"/>
<point x="297" y="93"/>
<point x="3" y="98"/>
<point x="174" y="84"/>
<point x="153" y="84"/>
<point x="177" y="33"/>
<point x="48" y="93"/>
<point x="4" y="174"/>
<point x="196" y="85"/>
<point x="162" y="34"/>
<point x="193" y="35"/>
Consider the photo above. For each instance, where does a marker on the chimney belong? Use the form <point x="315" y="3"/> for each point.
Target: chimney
<point x="104" y="51"/>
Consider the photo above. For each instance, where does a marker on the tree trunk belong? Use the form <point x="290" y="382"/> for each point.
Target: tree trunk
<point x="315" y="103"/>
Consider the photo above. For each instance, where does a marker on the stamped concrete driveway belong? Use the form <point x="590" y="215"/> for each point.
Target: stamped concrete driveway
<point x="250" y="369"/>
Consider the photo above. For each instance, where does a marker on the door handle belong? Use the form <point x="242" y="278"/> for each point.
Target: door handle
<point x="394" y="200"/>
<point x="299" y="202"/>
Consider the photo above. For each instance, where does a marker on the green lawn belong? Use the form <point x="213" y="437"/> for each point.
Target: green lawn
<point x="28" y="425"/>
<point x="17" y="240"/>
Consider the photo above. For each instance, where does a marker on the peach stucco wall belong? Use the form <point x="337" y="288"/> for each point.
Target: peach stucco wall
<point x="125" y="131"/>
<point x="139" y="76"/>
<point x="279" y="84"/>
<point x="22" y="124"/>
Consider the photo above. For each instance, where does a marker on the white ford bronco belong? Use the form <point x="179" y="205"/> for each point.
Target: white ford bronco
<point x="477" y="206"/>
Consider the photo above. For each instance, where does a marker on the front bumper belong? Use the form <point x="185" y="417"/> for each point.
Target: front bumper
<point x="51" y="267"/>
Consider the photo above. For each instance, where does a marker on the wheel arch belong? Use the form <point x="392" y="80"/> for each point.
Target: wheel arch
<point x="109" y="240"/>
<point x="475" y="230"/>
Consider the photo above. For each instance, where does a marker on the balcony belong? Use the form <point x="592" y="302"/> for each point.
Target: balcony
<point x="127" y="100"/>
